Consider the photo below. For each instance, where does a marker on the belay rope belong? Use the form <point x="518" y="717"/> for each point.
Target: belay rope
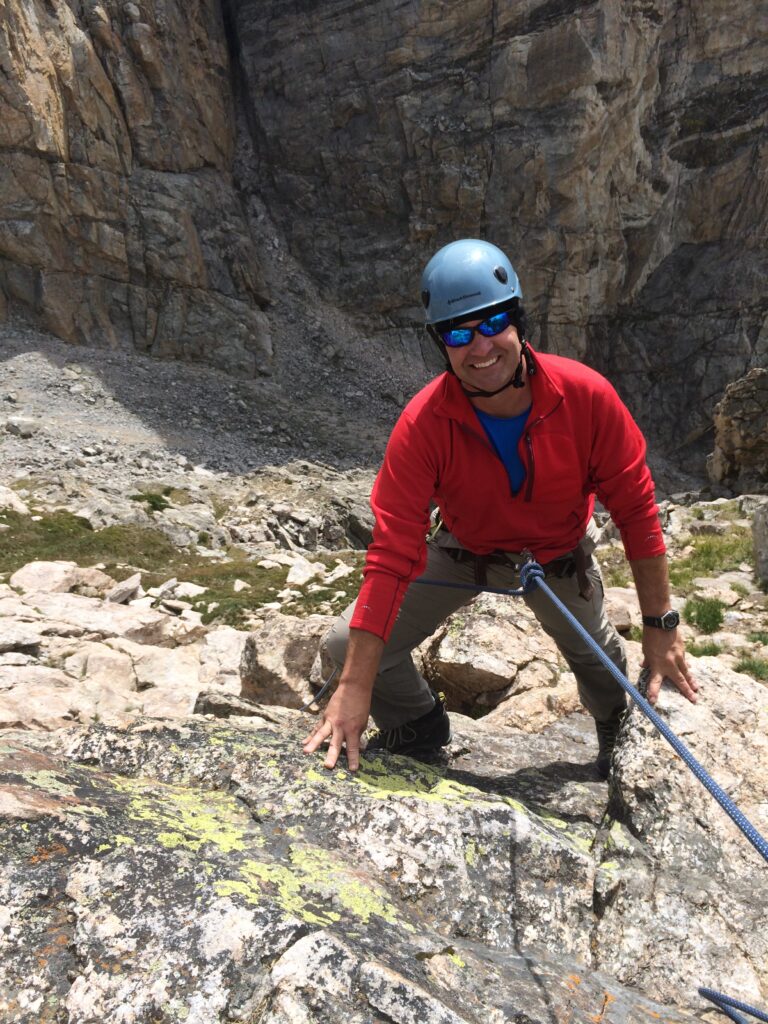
<point x="531" y="578"/>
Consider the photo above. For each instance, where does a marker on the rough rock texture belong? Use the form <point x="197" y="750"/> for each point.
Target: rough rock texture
<point x="211" y="873"/>
<point x="119" y="222"/>
<point x="740" y="458"/>
<point x="760" y="536"/>
<point x="617" y="151"/>
<point x="209" y="870"/>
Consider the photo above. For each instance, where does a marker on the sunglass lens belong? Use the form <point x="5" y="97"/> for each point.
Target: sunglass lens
<point x="458" y="336"/>
<point x="494" y="325"/>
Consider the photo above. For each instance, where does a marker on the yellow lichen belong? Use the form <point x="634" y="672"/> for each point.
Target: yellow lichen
<point x="304" y="889"/>
<point x="187" y="818"/>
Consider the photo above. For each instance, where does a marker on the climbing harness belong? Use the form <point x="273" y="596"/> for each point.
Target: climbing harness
<point x="532" y="578"/>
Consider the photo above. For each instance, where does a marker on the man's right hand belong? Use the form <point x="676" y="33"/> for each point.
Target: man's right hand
<point x="343" y="723"/>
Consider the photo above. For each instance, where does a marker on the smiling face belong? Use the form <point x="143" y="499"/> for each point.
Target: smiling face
<point x="486" y="363"/>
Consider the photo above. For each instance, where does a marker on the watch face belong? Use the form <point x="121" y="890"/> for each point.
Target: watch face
<point x="670" y="620"/>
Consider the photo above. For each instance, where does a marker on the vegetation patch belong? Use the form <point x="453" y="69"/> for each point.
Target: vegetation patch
<point x="712" y="555"/>
<point x="759" y="636"/>
<point x="125" y="548"/>
<point x="156" y="501"/>
<point x="755" y="667"/>
<point x="706" y="613"/>
<point x="63" y="536"/>
<point x="705" y="649"/>
<point x="613" y="566"/>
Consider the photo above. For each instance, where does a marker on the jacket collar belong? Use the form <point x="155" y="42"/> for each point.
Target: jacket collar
<point x="453" y="402"/>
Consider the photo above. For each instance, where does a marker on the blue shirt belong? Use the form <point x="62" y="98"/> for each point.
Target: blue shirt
<point x="504" y="433"/>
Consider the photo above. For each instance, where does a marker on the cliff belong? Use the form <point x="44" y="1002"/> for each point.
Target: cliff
<point x="170" y="170"/>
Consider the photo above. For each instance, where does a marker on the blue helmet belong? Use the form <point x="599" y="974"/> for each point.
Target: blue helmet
<point x="465" y="277"/>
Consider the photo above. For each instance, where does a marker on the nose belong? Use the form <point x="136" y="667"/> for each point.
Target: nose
<point x="481" y="344"/>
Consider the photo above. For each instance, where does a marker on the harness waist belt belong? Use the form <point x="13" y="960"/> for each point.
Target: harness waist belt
<point x="574" y="562"/>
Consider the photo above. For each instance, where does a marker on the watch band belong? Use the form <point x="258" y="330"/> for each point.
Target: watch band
<point x="669" y="620"/>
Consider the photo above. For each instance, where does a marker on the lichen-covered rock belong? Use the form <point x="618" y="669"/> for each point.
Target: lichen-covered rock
<point x="210" y="872"/>
<point x="676" y="886"/>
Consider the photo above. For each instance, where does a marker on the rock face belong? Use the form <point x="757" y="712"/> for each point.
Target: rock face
<point x="740" y="458"/>
<point x="760" y="535"/>
<point x="119" y="222"/>
<point x="616" y="151"/>
<point x="208" y="870"/>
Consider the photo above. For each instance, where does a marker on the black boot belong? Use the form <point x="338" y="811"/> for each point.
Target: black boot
<point x="421" y="738"/>
<point x="607" y="733"/>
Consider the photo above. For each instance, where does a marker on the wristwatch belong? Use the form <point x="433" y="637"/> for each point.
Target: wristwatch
<point x="669" y="620"/>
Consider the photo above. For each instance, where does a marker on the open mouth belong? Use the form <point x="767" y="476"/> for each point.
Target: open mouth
<point x="487" y="363"/>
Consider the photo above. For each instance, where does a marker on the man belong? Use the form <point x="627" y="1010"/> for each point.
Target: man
<point x="512" y="447"/>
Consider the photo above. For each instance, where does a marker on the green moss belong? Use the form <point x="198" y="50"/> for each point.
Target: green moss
<point x="711" y="555"/>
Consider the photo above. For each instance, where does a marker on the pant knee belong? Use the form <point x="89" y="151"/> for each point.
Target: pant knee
<point x="335" y="642"/>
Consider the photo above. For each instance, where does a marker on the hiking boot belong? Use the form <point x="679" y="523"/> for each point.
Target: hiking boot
<point x="607" y="732"/>
<point x="420" y="739"/>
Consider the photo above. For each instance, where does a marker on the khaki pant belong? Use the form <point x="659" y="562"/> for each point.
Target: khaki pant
<point x="402" y="694"/>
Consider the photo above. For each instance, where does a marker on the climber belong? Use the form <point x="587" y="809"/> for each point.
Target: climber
<point x="511" y="446"/>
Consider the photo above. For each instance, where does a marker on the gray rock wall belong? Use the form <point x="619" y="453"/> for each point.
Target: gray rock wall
<point x="616" y="150"/>
<point x="119" y="222"/>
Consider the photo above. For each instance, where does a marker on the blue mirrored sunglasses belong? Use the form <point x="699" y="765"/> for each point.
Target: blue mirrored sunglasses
<point x="459" y="336"/>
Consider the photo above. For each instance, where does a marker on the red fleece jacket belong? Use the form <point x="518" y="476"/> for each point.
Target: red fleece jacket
<point x="579" y="441"/>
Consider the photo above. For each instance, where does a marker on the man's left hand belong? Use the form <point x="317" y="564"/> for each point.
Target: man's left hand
<point x="664" y="653"/>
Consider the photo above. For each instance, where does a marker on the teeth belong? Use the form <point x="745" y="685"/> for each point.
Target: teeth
<point x="488" y="362"/>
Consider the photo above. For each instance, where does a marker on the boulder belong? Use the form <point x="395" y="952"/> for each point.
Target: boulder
<point x="488" y="650"/>
<point x="105" y="619"/>
<point x="61" y="578"/>
<point x="740" y="458"/>
<point x="9" y="499"/>
<point x="277" y="659"/>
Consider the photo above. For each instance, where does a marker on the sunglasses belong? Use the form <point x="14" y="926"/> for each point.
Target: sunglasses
<point x="459" y="336"/>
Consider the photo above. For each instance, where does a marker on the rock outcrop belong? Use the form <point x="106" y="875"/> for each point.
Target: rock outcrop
<point x="119" y="221"/>
<point x="740" y="458"/>
<point x="208" y="870"/>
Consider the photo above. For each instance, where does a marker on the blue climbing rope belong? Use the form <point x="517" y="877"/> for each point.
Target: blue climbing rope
<point x="729" y="1006"/>
<point x="531" y="578"/>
